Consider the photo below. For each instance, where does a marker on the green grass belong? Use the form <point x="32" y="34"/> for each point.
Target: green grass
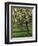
<point x="21" y="31"/>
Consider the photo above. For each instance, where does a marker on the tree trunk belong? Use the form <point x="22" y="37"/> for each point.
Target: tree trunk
<point x="27" y="27"/>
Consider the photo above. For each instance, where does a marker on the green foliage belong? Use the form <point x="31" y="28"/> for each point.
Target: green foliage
<point x="21" y="22"/>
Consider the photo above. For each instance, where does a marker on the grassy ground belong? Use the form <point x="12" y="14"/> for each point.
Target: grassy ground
<point x="21" y="31"/>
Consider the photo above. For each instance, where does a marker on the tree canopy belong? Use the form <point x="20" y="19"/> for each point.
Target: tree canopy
<point x="21" y="15"/>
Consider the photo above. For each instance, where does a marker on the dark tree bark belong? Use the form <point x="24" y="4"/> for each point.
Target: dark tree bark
<point x="27" y="27"/>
